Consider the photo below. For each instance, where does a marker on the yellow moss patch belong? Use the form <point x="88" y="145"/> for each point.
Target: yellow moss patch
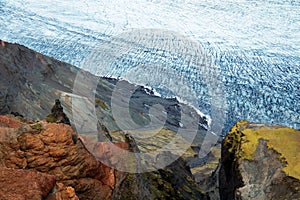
<point x="37" y="126"/>
<point x="205" y="169"/>
<point x="285" y="141"/>
<point x="249" y="143"/>
<point x="102" y="104"/>
<point x="234" y="137"/>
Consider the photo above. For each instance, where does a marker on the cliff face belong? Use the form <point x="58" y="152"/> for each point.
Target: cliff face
<point x="32" y="82"/>
<point x="260" y="161"/>
<point x="173" y="182"/>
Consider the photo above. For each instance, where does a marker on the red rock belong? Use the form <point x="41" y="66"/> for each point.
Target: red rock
<point x="54" y="150"/>
<point x="51" y="148"/>
<point x="18" y="184"/>
<point x="29" y="141"/>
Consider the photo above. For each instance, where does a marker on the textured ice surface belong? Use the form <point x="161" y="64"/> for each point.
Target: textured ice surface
<point x="255" y="45"/>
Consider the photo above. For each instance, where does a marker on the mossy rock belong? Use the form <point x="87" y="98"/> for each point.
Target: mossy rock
<point x="37" y="127"/>
<point x="244" y="138"/>
<point x="173" y="182"/>
<point x="260" y="161"/>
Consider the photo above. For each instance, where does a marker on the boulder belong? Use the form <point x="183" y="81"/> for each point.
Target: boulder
<point x="260" y="161"/>
<point x="62" y="192"/>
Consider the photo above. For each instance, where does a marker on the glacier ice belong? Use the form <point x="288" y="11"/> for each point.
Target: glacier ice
<point x="254" y="44"/>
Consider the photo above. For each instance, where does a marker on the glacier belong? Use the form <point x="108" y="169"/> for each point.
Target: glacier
<point x="253" y="46"/>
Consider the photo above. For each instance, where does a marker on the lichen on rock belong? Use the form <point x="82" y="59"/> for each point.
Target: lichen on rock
<point x="257" y="160"/>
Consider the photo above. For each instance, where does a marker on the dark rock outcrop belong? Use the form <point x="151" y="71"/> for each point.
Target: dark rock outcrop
<point x="173" y="182"/>
<point x="260" y="161"/>
<point x="103" y="133"/>
<point x="57" y="114"/>
<point x="133" y="147"/>
<point x="207" y="174"/>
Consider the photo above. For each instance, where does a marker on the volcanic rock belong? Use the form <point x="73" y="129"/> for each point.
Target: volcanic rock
<point x="62" y="192"/>
<point x="49" y="148"/>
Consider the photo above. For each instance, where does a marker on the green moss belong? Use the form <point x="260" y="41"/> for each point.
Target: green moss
<point x="50" y="118"/>
<point x="158" y="185"/>
<point x="102" y="104"/>
<point x="37" y="126"/>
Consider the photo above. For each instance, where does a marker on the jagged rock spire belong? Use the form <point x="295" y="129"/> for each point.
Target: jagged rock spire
<point x="57" y="114"/>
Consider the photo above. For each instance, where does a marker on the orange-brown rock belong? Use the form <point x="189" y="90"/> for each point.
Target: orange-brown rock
<point x="63" y="192"/>
<point x="19" y="184"/>
<point x="53" y="149"/>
